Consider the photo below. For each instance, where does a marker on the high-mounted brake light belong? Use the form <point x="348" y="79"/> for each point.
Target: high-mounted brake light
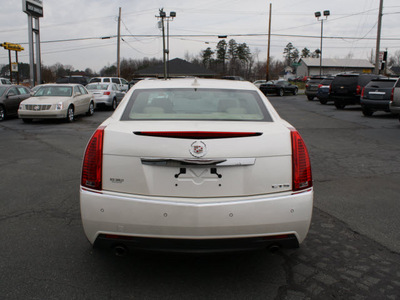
<point x="301" y="165"/>
<point x="93" y="161"/>
<point x="197" y="134"/>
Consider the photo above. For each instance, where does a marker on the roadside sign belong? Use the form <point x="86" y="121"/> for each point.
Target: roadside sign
<point x="33" y="8"/>
<point x="10" y="46"/>
<point x="14" y="67"/>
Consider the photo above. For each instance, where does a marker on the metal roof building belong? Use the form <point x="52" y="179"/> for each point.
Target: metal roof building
<point x="331" y="66"/>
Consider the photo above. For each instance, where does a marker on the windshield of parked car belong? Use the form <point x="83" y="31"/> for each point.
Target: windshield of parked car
<point x="95" y="86"/>
<point x="54" y="91"/>
<point x="196" y="104"/>
<point x="2" y="90"/>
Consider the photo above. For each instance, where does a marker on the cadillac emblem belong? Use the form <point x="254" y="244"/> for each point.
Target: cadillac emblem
<point x="36" y="107"/>
<point x="198" y="149"/>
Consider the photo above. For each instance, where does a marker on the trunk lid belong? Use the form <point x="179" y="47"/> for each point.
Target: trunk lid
<point x="167" y="166"/>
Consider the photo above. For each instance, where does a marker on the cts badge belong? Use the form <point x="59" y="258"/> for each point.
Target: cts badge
<point x="198" y="149"/>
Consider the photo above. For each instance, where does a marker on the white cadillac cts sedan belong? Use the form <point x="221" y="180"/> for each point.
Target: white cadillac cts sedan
<point x="196" y="165"/>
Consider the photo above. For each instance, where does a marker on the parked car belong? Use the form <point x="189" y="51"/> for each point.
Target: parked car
<point x="257" y="83"/>
<point x="106" y="94"/>
<point x="323" y="90"/>
<point x="195" y="165"/>
<point x="346" y="88"/>
<point x="375" y="96"/>
<point x="278" y="87"/>
<point x="394" y="104"/>
<point x="5" y="81"/>
<point x="73" y="79"/>
<point x="312" y="87"/>
<point x="57" y="101"/>
<point x="233" y="78"/>
<point x="121" y="82"/>
<point x="10" y="98"/>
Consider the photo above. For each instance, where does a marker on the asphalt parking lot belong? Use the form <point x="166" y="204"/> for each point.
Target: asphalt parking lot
<point x="352" y="250"/>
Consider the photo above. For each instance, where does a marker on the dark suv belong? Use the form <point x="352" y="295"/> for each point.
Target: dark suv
<point x="376" y="95"/>
<point x="346" y="88"/>
<point x="312" y="87"/>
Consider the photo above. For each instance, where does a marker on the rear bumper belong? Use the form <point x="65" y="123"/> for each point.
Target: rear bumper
<point x="165" y="223"/>
<point x="395" y="109"/>
<point x="103" y="100"/>
<point x="346" y="100"/>
<point x="375" y="104"/>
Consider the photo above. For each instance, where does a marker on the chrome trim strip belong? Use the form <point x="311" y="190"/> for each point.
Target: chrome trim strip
<point x="172" y="162"/>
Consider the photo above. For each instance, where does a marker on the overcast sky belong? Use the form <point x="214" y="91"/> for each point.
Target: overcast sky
<point x="350" y="29"/>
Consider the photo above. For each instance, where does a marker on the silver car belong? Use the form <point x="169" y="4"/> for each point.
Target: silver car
<point x="106" y="94"/>
<point x="394" y="104"/>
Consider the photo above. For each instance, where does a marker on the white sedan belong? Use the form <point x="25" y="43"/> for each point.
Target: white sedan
<point x="57" y="101"/>
<point x="196" y="165"/>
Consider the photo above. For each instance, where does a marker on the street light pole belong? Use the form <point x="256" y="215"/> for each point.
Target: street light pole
<point x="163" y="16"/>
<point x="318" y="15"/>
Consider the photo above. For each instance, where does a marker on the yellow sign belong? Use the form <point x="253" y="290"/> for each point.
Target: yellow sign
<point x="14" y="47"/>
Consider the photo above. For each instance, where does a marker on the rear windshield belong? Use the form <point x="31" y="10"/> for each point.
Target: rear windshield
<point x="96" y="86"/>
<point x="315" y="80"/>
<point x="381" y="84"/>
<point x="326" y="81"/>
<point x="95" y="80"/>
<point x="196" y="104"/>
<point x="345" y="79"/>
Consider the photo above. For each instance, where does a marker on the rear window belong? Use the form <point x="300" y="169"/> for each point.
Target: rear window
<point x="196" y="104"/>
<point x="381" y="84"/>
<point x="95" y="80"/>
<point x="97" y="86"/>
<point x="326" y="81"/>
<point x="345" y="79"/>
<point x="314" y="81"/>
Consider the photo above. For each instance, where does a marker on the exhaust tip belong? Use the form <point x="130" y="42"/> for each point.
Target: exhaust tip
<point x="120" y="250"/>
<point x="273" y="248"/>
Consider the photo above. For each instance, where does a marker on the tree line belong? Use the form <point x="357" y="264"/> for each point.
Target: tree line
<point x="227" y="58"/>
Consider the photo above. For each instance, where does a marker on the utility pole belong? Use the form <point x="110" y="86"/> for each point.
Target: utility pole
<point x="119" y="44"/>
<point x="269" y="41"/>
<point x="378" y="38"/>
<point x="163" y="16"/>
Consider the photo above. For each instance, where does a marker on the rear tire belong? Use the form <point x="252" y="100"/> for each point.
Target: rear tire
<point x="2" y="113"/>
<point x="281" y="92"/>
<point x="339" y="105"/>
<point x="295" y="91"/>
<point x="323" y="101"/>
<point x="70" y="114"/>
<point x="114" y="104"/>
<point x="367" y="112"/>
<point x="90" y="111"/>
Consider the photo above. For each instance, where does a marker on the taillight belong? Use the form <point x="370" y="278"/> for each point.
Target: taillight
<point x="362" y="93"/>
<point x="107" y="93"/>
<point x="93" y="161"/>
<point x="301" y="165"/>
<point x="330" y="88"/>
<point x="307" y="85"/>
<point x="319" y="85"/>
<point x="392" y="95"/>
<point x="358" y="90"/>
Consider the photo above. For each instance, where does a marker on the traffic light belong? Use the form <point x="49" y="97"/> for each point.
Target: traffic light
<point x="10" y="46"/>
